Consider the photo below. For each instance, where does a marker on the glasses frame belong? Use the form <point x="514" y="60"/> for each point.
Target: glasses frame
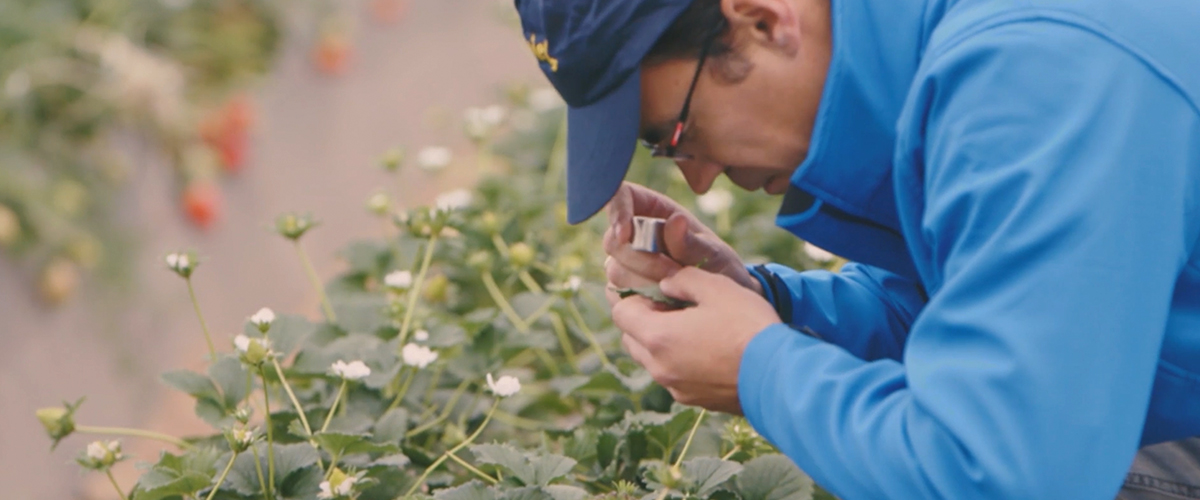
<point x="669" y="150"/>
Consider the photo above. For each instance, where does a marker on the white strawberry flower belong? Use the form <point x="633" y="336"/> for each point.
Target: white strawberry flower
<point x="453" y="200"/>
<point x="263" y="319"/>
<point x="817" y="253"/>
<point x="715" y="201"/>
<point x="573" y="283"/>
<point x="418" y="355"/>
<point x="354" y="370"/>
<point x="505" y="386"/>
<point x="101" y="455"/>
<point x="252" y="351"/>
<point x="434" y="158"/>
<point x="544" y="99"/>
<point x="420" y="335"/>
<point x="243" y="437"/>
<point x="180" y="263"/>
<point x="339" y="485"/>
<point x="398" y="280"/>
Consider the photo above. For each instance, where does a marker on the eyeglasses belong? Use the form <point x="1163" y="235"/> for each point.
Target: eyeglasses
<point x="668" y="150"/>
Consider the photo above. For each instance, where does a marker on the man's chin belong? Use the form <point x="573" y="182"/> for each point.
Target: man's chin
<point x="776" y="185"/>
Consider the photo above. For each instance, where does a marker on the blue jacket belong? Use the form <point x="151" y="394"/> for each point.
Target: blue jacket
<point x="1018" y="183"/>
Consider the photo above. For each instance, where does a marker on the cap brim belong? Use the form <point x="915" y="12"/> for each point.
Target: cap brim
<point x="601" y="138"/>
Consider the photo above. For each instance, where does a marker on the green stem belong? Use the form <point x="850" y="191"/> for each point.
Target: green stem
<point x="113" y="480"/>
<point x="501" y="245"/>
<point x="403" y="388"/>
<point x="221" y="480"/>
<point x="295" y="402"/>
<point x="333" y="459"/>
<point x="336" y="400"/>
<point x="519" y="421"/>
<point x="458" y="392"/>
<point x="489" y="282"/>
<point x="270" y="484"/>
<point x="212" y="350"/>
<point x="587" y="332"/>
<point x="557" y="162"/>
<point x="316" y="282"/>
<point x="482" y="475"/>
<point x="451" y="451"/>
<point x="258" y="468"/>
<point x="529" y="282"/>
<point x="123" y="431"/>
<point x="541" y="310"/>
<point x="433" y="384"/>
<point x="547" y="360"/>
<point x="565" y="341"/>
<point x="736" y="448"/>
<point x="415" y="292"/>
<point x="687" y="444"/>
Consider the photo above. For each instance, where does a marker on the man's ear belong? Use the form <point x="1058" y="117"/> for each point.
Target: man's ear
<point x="774" y="24"/>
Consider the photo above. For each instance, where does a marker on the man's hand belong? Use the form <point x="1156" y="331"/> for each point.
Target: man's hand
<point x="695" y="353"/>
<point x="688" y="243"/>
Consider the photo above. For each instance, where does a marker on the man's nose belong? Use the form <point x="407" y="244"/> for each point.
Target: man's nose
<point x="700" y="174"/>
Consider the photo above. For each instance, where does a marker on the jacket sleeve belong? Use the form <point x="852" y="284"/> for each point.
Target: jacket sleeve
<point x="863" y="309"/>
<point x="1058" y="210"/>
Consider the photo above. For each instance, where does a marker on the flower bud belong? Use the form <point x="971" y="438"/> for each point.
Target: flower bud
<point x="293" y="226"/>
<point x="392" y="160"/>
<point x="480" y="260"/>
<point x="59" y="422"/>
<point x="100" y="455"/>
<point x="183" y="263"/>
<point x="520" y="255"/>
<point x="436" y="288"/>
<point x="252" y="351"/>
<point x="489" y="223"/>
<point x="243" y="414"/>
<point x="240" y="439"/>
<point x="263" y="319"/>
<point x="378" y="204"/>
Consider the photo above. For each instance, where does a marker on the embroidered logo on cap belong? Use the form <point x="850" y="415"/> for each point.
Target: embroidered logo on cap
<point x="541" y="50"/>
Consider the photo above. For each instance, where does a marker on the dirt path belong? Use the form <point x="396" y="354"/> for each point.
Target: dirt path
<point x="315" y="151"/>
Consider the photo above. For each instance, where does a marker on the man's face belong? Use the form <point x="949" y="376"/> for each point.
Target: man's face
<point x="755" y="130"/>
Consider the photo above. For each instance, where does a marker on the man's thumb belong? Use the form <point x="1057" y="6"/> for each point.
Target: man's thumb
<point x="684" y="246"/>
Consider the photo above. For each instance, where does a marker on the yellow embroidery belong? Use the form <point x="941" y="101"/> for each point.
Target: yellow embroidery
<point x="541" y="50"/>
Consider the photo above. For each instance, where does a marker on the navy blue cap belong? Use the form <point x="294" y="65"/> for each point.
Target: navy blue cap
<point x="591" y="50"/>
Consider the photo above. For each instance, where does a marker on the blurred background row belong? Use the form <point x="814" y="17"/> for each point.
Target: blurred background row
<point x="130" y="129"/>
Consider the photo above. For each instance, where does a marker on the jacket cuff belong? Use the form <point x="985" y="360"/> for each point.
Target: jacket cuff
<point x="774" y="289"/>
<point x="757" y="384"/>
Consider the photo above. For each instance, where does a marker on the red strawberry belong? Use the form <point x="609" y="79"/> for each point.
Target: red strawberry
<point x="332" y="53"/>
<point x="202" y="203"/>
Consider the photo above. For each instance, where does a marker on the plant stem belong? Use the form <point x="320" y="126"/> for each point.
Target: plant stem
<point x="270" y="485"/>
<point x="258" y="468"/>
<point x="482" y="475"/>
<point x="403" y="389"/>
<point x="122" y="431"/>
<point x="221" y="480"/>
<point x="587" y="332"/>
<point x="336" y="400"/>
<point x="489" y="282"/>
<point x="519" y="422"/>
<point x="212" y="351"/>
<point x="557" y="161"/>
<point x="437" y="378"/>
<point x="736" y="448"/>
<point x="458" y="392"/>
<point x="333" y="459"/>
<point x="295" y="402"/>
<point x="501" y="245"/>
<point x="541" y="310"/>
<point x="548" y="360"/>
<point x="451" y="451"/>
<point x="316" y="282"/>
<point x="564" y="340"/>
<point x="415" y="292"/>
<point x="687" y="444"/>
<point x="529" y="282"/>
<point x="113" y="480"/>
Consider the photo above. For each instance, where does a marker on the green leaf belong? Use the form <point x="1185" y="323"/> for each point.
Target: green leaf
<point x="192" y="383"/>
<point x="773" y="477"/>
<point x="398" y="461"/>
<point x="653" y="292"/>
<point x="368" y="348"/>
<point x="167" y="486"/>
<point x="213" y="413"/>
<point x="360" y="312"/>
<point x="342" y="444"/>
<point x="289" y="331"/>
<point x="391" y="427"/>
<point x="230" y="376"/>
<point x="705" y="475"/>
<point x="471" y="490"/>
<point x="566" y="492"/>
<point x="537" y="470"/>
<point x="636" y="382"/>
<point x="526" y="493"/>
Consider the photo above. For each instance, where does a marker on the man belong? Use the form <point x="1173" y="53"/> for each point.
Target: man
<point x="1018" y="184"/>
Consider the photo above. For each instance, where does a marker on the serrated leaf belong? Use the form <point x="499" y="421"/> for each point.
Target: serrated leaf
<point x="191" y="383"/>
<point x="360" y="312"/>
<point x="526" y="493"/>
<point x="367" y="348"/>
<point x="548" y="467"/>
<point x="773" y="477"/>
<point x="289" y="331"/>
<point x="341" y="444"/>
<point x="566" y="492"/>
<point x="471" y="490"/>
<point x="213" y="413"/>
<point x="391" y="427"/>
<point x="301" y="485"/>
<point x="398" y="461"/>
<point x="230" y="376"/>
<point x="537" y="470"/>
<point x="706" y="474"/>
<point x="636" y="382"/>
<point x="180" y="486"/>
